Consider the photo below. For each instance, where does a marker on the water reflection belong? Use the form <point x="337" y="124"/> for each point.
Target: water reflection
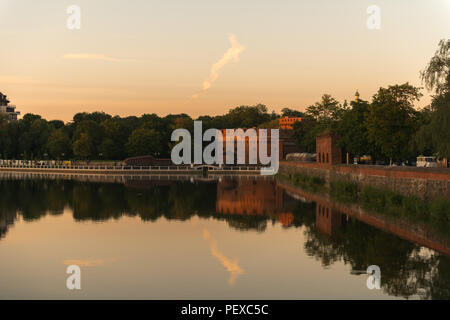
<point x="333" y="233"/>
<point x="232" y="266"/>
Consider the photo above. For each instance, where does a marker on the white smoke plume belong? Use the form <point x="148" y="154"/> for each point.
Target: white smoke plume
<point x="231" y="54"/>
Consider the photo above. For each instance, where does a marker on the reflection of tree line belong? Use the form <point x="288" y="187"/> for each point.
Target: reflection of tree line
<point x="405" y="271"/>
<point x="333" y="236"/>
<point x="33" y="199"/>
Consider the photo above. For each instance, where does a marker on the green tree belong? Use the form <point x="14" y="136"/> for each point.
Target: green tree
<point x="436" y="75"/>
<point x="305" y="134"/>
<point x="272" y="124"/>
<point x="39" y="131"/>
<point x="353" y="131"/>
<point x="439" y="127"/>
<point x="89" y="134"/>
<point x="391" y="120"/>
<point x="59" y="143"/>
<point x="328" y="110"/>
<point x="434" y="134"/>
<point x="94" y="116"/>
<point x="56" y="124"/>
<point x="83" y="147"/>
<point x="144" y="141"/>
<point x="115" y="137"/>
<point x="246" y="117"/>
<point x="320" y="117"/>
<point x="287" y="112"/>
<point x="423" y="142"/>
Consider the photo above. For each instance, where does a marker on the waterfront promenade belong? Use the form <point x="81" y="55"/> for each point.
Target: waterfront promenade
<point x="132" y="170"/>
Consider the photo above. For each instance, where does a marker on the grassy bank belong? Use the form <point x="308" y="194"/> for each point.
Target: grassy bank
<point x="310" y="183"/>
<point x="435" y="212"/>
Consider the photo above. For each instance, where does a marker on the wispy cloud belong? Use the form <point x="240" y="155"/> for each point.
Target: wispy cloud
<point x="15" y="80"/>
<point x="232" y="54"/>
<point x="84" y="263"/>
<point x="231" y="266"/>
<point x="91" y="56"/>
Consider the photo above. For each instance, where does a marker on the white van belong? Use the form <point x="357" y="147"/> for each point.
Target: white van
<point x="426" y="162"/>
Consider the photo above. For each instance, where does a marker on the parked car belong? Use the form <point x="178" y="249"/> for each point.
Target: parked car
<point x="426" y="162"/>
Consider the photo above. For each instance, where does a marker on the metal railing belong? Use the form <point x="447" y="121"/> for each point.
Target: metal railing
<point x="132" y="168"/>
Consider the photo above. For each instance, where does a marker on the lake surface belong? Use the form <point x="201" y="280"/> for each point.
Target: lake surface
<point x="226" y="238"/>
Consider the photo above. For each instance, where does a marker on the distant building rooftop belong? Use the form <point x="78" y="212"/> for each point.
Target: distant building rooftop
<point x="7" y="109"/>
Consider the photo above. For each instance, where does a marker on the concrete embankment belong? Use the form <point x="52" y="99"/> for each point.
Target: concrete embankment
<point x="425" y="183"/>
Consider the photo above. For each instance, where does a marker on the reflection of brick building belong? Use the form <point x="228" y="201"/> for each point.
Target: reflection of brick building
<point x="328" y="220"/>
<point x="327" y="150"/>
<point x="246" y="197"/>
<point x="257" y="197"/>
<point x="286" y="219"/>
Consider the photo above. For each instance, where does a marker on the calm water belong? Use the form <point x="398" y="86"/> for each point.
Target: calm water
<point x="219" y="239"/>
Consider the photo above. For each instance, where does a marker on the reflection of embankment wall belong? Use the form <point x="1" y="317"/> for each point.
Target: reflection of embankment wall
<point x="329" y="218"/>
<point x="425" y="183"/>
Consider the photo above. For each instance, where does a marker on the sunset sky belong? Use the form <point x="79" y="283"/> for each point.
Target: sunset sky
<point x="139" y="56"/>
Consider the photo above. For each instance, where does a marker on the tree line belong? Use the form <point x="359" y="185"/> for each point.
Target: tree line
<point x="99" y="135"/>
<point x="388" y="128"/>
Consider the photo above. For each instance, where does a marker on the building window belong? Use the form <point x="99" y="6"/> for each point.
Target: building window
<point x="327" y="157"/>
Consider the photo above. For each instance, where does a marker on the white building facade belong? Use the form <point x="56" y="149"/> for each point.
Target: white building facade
<point x="7" y="109"/>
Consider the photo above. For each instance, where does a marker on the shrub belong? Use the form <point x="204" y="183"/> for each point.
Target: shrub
<point x="311" y="183"/>
<point x="373" y="198"/>
<point x="414" y="207"/>
<point x="440" y="210"/>
<point x="344" y="191"/>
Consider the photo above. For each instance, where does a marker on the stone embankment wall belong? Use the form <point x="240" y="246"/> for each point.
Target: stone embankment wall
<point x="425" y="183"/>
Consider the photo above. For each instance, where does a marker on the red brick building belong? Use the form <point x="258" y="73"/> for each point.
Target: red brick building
<point x="286" y="145"/>
<point x="287" y="122"/>
<point x="327" y="151"/>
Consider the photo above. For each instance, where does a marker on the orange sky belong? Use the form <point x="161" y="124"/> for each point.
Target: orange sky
<point x="153" y="56"/>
